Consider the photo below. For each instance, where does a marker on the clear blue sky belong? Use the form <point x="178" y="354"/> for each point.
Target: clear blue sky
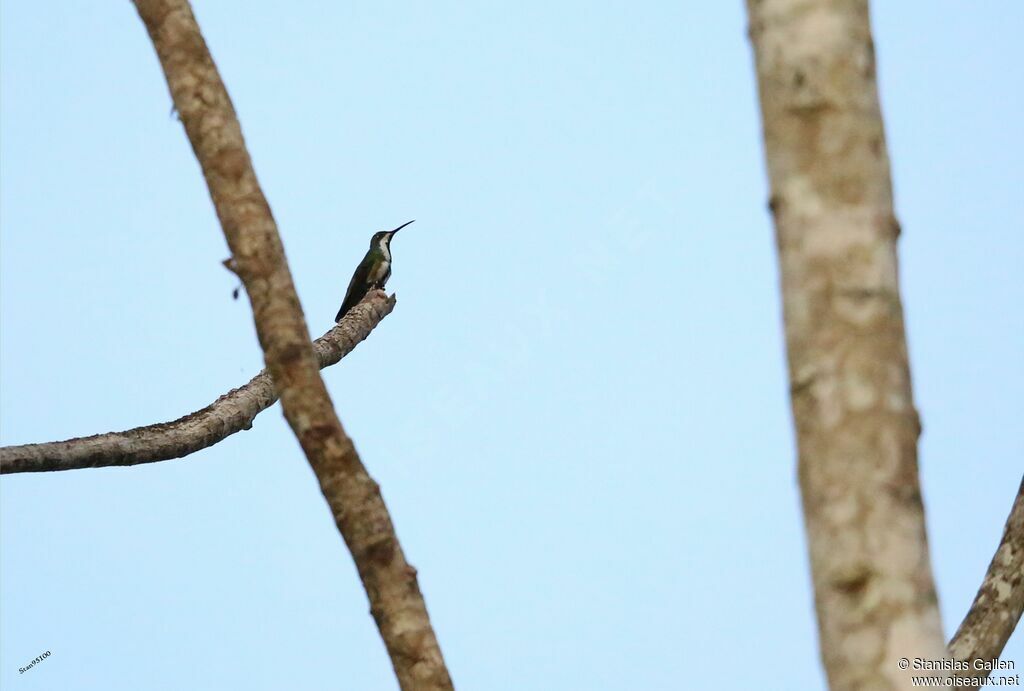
<point x="578" y="411"/>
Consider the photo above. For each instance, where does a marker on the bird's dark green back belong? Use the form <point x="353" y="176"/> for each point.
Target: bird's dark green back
<point x="359" y="286"/>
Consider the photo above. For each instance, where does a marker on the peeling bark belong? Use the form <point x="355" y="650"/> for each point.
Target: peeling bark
<point x="231" y="413"/>
<point x="1000" y="600"/>
<point x="853" y="409"/>
<point x="213" y="130"/>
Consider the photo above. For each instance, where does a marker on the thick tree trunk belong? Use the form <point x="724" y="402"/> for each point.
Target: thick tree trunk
<point x="853" y="410"/>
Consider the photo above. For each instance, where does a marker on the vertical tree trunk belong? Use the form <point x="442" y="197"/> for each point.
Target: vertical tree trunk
<point x="856" y="425"/>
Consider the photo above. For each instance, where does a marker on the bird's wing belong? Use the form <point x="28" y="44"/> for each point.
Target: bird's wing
<point x="356" y="289"/>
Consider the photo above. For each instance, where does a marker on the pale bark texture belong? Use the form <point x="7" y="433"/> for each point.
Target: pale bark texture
<point x="213" y="129"/>
<point x="231" y="413"/>
<point x="856" y="425"/>
<point x="1000" y="600"/>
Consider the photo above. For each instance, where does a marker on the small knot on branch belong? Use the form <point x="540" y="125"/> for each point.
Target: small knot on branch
<point x="232" y="265"/>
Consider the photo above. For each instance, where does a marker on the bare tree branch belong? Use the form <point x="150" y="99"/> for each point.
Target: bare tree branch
<point x="231" y="413"/>
<point x="213" y="129"/>
<point x="853" y="408"/>
<point x="1000" y="600"/>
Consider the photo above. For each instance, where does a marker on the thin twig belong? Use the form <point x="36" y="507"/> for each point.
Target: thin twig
<point x="231" y="413"/>
<point x="1000" y="600"/>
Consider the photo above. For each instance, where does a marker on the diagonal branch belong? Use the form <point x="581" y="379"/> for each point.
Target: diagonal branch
<point x="231" y="413"/>
<point x="213" y="130"/>
<point x="1000" y="600"/>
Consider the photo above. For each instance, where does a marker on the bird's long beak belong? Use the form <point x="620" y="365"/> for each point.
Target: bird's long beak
<point x="402" y="226"/>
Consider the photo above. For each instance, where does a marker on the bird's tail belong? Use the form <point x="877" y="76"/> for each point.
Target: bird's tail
<point x="350" y="302"/>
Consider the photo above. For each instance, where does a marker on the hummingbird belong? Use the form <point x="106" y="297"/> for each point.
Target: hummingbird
<point x="373" y="272"/>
